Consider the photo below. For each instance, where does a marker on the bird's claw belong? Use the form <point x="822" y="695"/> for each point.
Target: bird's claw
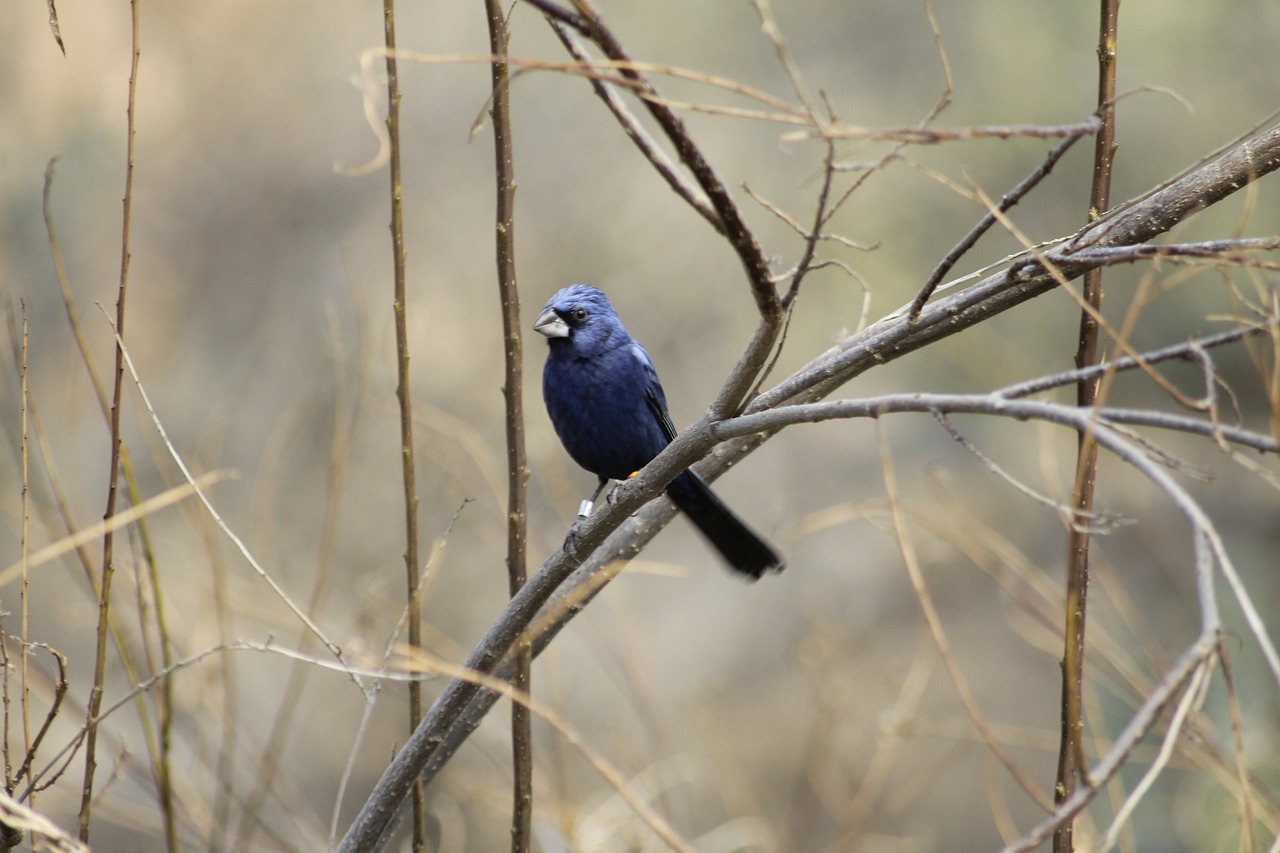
<point x="570" y="545"/>
<point x="610" y="497"/>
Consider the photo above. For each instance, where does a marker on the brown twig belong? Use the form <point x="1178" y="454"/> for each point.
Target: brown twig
<point x="513" y="398"/>
<point x="59" y="693"/>
<point x="1071" y="760"/>
<point x="404" y="395"/>
<point x="108" y="539"/>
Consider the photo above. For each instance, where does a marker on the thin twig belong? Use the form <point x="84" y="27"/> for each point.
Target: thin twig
<point x="59" y="693"/>
<point x="517" y="515"/>
<point x="933" y="136"/>
<point x="11" y="836"/>
<point x="780" y="47"/>
<point x="805" y="265"/>
<point x="404" y="395"/>
<point x="1097" y="522"/>
<point x="108" y="540"/>
<point x="53" y="26"/>
<point x="1180" y="351"/>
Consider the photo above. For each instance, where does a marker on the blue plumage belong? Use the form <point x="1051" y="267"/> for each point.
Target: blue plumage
<point x="607" y="405"/>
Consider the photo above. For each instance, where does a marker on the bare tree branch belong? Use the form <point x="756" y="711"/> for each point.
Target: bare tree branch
<point x="568" y="579"/>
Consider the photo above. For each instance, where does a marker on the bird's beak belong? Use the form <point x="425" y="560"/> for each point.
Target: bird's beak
<point x="550" y="324"/>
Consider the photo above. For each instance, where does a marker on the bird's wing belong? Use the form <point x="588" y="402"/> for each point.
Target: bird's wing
<point x="653" y="394"/>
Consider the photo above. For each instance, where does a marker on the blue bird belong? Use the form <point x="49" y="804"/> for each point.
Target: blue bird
<point x="606" y="404"/>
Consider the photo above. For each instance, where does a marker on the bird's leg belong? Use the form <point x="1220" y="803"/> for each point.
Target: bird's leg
<point x="584" y="511"/>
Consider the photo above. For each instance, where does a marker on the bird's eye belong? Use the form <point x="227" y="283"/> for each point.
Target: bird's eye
<point x="578" y="314"/>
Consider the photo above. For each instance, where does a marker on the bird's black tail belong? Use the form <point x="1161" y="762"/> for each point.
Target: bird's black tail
<point x="741" y="547"/>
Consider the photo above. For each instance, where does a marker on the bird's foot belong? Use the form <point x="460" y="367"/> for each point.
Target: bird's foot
<point x="611" y="496"/>
<point x="572" y="538"/>
<point x="570" y="545"/>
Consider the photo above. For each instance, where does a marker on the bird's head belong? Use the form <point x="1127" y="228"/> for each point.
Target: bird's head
<point x="581" y="316"/>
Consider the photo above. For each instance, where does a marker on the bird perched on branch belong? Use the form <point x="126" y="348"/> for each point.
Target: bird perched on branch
<point x="606" y="404"/>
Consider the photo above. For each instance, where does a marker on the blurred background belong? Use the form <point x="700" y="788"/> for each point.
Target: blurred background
<point x="810" y="711"/>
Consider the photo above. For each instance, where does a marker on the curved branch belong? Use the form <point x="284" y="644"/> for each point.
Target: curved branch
<point x="995" y="403"/>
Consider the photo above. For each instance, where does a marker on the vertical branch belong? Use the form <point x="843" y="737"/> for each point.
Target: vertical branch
<point x="24" y="693"/>
<point x="9" y="836"/>
<point x="406" y="405"/>
<point x="104" y="609"/>
<point x="1071" y="747"/>
<point x="513" y="392"/>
